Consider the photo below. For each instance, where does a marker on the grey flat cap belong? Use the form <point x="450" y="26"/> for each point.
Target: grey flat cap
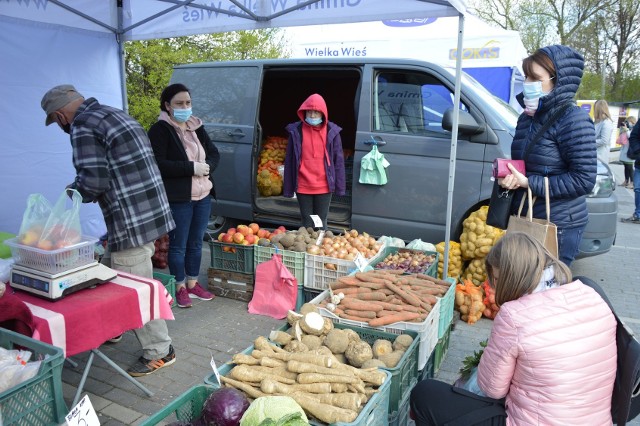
<point x="58" y="97"/>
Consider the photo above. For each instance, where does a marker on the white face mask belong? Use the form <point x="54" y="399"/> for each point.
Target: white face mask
<point x="532" y="91"/>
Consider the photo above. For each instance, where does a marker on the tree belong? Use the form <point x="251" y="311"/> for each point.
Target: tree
<point x="149" y="63"/>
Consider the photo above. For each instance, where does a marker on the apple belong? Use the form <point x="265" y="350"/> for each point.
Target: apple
<point x="227" y="238"/>
<point x="221" y="236"/>
<point x="238" y="238"/>
<point x="29" y="238"/>
<point x="262" y="233"/>
<point x="254" y="227"/>
<point x="282" y="228"/>
<point x="226" y="248"/>
<point x="231" y="231"/>
<point x="277" y="231"/>
<point x="45" y="245"/>
<point x="245" y="243"/>
<point x="61" y="244"/>
<point x="250" y="239"/>
<point x="244" y="230"/>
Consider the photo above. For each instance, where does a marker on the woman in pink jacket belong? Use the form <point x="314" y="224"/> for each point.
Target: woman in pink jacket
<point x="551" y="356"/>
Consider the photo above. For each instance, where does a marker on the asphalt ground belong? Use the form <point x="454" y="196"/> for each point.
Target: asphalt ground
<point x="223" y="327"/>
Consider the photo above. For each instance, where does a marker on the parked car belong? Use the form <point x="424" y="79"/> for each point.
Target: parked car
<point x="404" y="106"/>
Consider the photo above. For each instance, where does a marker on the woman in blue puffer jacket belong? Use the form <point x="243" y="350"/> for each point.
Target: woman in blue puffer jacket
<point x="565" y="153"/>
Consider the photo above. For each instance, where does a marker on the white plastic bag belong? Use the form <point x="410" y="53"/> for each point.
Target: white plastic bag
<point x="5" y="270"/>
<point x="418" y="244"/>
<point x="391" y="241"/>
<point x="15" y="368"/>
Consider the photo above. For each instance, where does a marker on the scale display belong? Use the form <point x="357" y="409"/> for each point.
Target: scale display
<point x="31" y="282"/>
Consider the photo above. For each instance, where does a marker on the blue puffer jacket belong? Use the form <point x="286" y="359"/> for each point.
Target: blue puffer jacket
<point x="566" y="153"/>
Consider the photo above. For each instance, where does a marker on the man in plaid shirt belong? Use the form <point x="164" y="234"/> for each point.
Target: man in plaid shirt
<point x="116" y="168"/>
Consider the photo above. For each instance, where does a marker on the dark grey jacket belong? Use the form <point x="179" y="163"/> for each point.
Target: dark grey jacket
<point x="566" y="153"/>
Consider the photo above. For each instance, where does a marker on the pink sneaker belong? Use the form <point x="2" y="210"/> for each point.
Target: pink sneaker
<point x="182" y="298"/>
<point x="197" y="292"/>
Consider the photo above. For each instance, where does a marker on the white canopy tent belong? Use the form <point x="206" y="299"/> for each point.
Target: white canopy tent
<point x="492" y="56"/>
<point x="48" y="42"/>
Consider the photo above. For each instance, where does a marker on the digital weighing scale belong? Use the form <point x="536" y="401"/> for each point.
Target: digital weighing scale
<point x="56" y="286"/>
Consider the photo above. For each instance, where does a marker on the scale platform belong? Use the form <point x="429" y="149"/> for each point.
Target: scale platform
<point x="56" y="286"/>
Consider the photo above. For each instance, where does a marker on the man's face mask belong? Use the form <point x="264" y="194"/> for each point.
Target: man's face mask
<point x="65" y="127"/>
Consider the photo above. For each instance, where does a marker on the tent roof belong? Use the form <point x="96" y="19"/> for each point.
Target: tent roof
<point x="147" y="19"/>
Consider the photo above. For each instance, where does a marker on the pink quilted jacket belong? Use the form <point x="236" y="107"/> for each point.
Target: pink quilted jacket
<point x="553" y="355"/>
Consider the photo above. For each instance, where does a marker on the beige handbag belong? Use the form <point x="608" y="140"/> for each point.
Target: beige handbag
<point x="542" y="230"/>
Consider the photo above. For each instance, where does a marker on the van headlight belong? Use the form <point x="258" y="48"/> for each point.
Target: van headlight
<point x="605" y="182"/>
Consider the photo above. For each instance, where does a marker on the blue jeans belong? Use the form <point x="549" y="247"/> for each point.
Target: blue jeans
<point x="185" y="241"/>
<point x="568" y="243"/>
<point x="636" y="189"/>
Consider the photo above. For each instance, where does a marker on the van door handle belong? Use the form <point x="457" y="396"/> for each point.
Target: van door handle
<point x="237" y="133"/>
<point x="375" y="140"/>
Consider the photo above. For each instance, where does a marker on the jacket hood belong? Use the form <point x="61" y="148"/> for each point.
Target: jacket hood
<point x="315" y="102"/>
<point x="569" y="66"/>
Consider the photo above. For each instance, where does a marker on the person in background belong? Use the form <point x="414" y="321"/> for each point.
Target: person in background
<point x="314" y="162"/>
<point x="623" y="141"/>
<point x="551" y="358"/>
<point x="115" y="167"/>
<point x="634" y="146"/>
<point x="604" y="129"/>
<point x="186" y="157"/>
<point x="565" y="153"/>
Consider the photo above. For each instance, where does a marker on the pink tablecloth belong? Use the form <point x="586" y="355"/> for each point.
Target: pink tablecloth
<point x="85" y="320"/>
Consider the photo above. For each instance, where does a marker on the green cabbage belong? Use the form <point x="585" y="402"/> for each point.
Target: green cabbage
<point x="274" y="411"/>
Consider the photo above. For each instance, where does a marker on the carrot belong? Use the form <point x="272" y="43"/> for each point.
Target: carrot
<point x="390" y="319"/>
<point x="362" y="314"/>
<point x="370" y="278"/>
<point x="390" y="306"/>
<point x="406" y="296"/>
<point x="370" y="285"/>
<point x="444" y="283"/>
<point x="427" y="290"/>
<point x="385" y="313"/>
<point x="351" y="303"/>
<point x="354" y="318"/>
<point x="352" y="290"/>
<point x="374" y="295"/>
<point x="348" y="280"/>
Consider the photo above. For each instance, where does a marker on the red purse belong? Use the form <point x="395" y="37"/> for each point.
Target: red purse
<point x="501" y="170"/>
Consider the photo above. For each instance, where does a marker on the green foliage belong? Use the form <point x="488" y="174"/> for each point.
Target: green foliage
<point x="472" y="361"/>
<point x="149" y="63"/>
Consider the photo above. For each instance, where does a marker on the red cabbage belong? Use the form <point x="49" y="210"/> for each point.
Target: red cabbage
<point x="225" y="407"/>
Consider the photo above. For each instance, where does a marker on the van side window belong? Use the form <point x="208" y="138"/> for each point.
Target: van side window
<point x="410" y="103"/>
<point x="225" y="101"/>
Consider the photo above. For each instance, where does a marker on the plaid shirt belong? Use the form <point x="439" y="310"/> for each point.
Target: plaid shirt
<point x="115" y="166"/>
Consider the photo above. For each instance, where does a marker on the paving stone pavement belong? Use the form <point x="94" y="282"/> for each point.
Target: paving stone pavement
<point x="222" y="327"/>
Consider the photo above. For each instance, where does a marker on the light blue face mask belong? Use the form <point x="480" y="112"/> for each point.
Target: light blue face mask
<point x="181" y="115"/>
<point x="533" y="90"/>
<point x="313" y="121"/>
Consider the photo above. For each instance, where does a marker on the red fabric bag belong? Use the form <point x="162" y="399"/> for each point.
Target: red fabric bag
<point x="275" y="291"/>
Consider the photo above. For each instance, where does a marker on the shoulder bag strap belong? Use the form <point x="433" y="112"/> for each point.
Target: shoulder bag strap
<point x="544" y="128"/>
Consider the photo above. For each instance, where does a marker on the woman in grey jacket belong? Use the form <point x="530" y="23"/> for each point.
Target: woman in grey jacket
<point x="565" y="153"/>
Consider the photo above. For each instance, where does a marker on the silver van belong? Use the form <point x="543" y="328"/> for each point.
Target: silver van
<point x="403" y="106"/>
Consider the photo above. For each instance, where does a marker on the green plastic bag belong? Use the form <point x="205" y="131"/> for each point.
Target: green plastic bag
<point x="372" y="168"/>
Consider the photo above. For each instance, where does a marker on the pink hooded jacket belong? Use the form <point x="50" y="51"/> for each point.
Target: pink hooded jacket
<point x="553" y="355"/>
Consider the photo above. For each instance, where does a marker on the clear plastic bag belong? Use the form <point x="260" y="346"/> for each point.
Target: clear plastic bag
<point x="391" y="241"/>
<point x="34" y="219"/>
<point x="51" y="228"/>
<point x="418" y="244"/>
<point x="15" y="368"/>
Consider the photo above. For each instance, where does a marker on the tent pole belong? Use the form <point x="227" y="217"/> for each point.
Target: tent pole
<point x="123" y="73"/>
<point x="454" y="145"/>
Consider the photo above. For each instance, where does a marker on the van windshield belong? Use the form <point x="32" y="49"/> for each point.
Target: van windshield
<point x="505" y="111"/>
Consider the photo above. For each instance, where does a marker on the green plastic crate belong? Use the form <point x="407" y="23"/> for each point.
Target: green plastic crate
<point x="401" y="417"/>
<point x="39" y="400"/>
<point x="446" y="308"/>
<point x="375" y="413"/>
<point x="441" y="349"/>
<point x="232" y="257"/>
<point x="432" y="270"/>
<point x="186" y="407"/>
<point x="169" y="282"/>
<point x="428" y="372"/>
<point x="293" y="260"/>
<point x="403" y="374"/>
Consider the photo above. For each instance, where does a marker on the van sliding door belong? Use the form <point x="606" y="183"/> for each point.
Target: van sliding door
<point x="225" y="98"/>
<point x="402" y="111"/>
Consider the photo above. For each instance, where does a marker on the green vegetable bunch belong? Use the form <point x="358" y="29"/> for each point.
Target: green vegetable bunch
<point x="472" y="361"/>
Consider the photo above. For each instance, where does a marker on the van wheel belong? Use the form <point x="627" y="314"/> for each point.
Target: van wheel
<point x="216" y="225"/>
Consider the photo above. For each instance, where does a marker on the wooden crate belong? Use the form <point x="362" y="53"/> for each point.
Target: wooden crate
<point x="233" y="285"/>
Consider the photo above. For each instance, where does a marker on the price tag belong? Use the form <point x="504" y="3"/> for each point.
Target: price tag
<point x="215" y="370"/>
<point x="320" y="237"/>
<point x="316" y="221"/>
<point x="83" y="414"/>
<point x="361" y="262"/>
